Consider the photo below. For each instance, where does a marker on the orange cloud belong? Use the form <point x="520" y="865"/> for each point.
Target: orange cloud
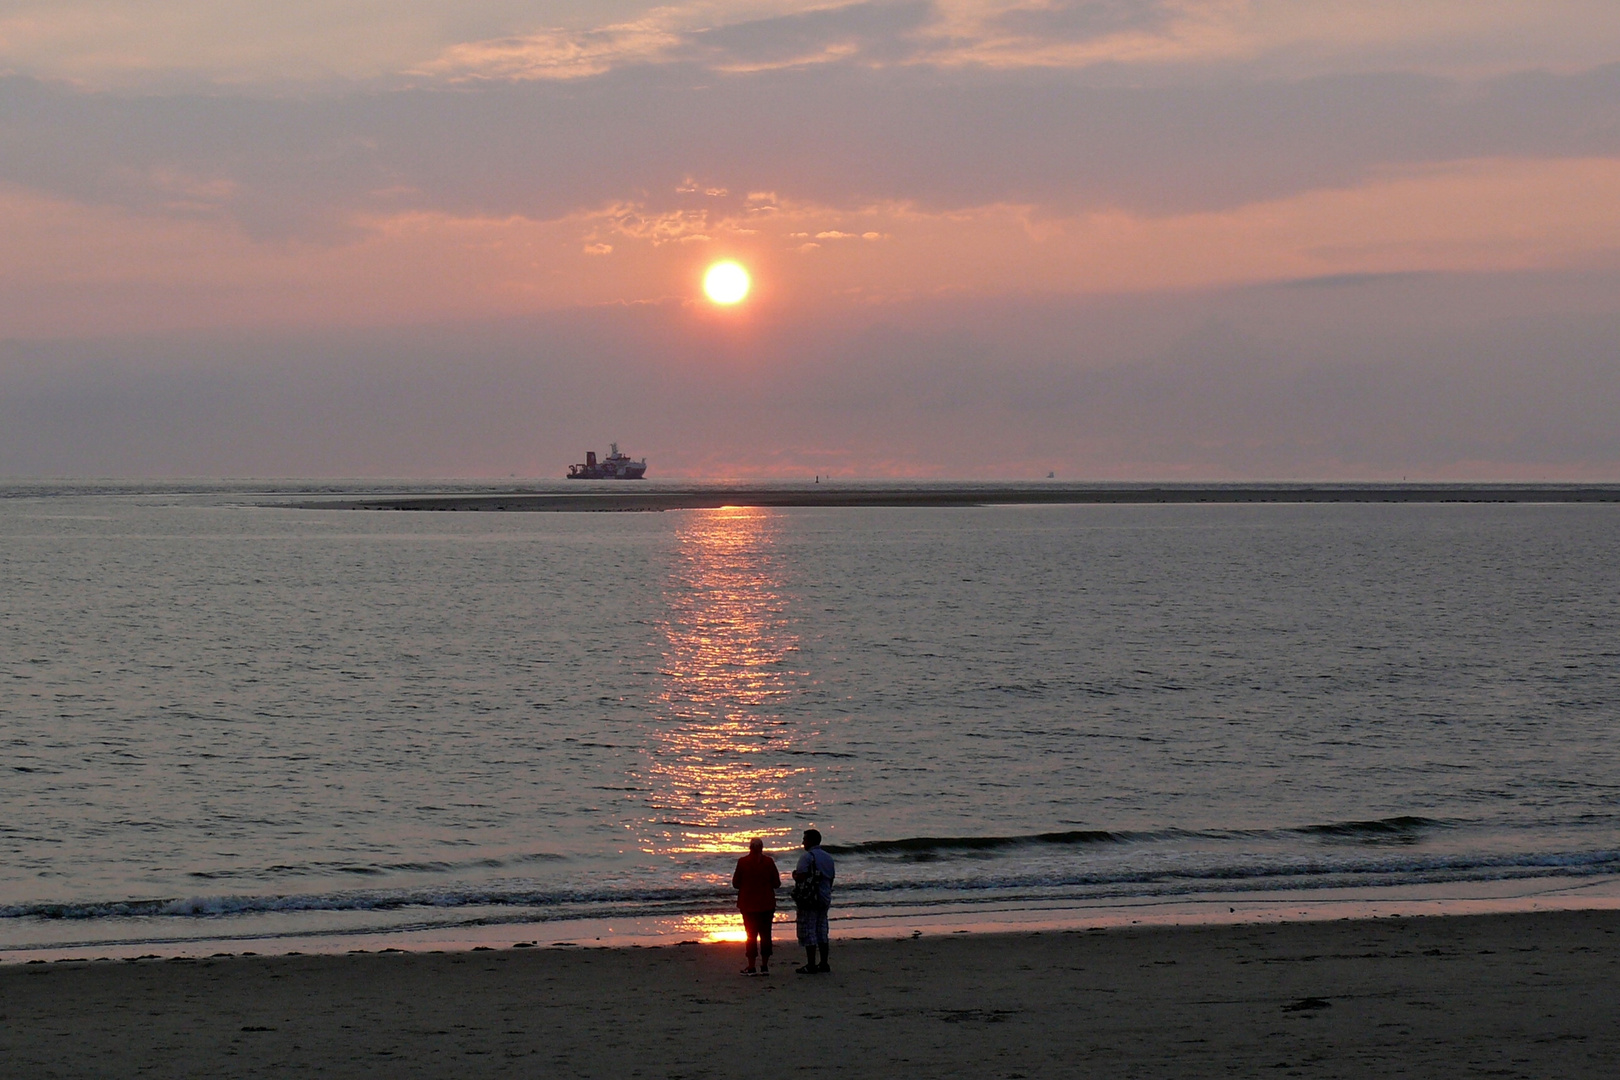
<point x="553" y="53"/>
<point x="67" y="267"/>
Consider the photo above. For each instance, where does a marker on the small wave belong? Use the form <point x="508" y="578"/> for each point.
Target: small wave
<point x="314" y="869"/>
<point x="1404" y="826"/>
<point x="922" y="846"/>
<point x="1082" y="880"/>
<point x="1286" y="873"/>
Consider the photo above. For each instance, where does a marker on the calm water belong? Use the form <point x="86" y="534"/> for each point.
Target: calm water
<point x="225" y="719"/>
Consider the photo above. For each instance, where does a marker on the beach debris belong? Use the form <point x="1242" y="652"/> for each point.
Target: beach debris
<point x="1307" y="1004"/>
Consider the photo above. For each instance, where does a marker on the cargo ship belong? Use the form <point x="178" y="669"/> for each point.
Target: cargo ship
<point x="615" y="466"/>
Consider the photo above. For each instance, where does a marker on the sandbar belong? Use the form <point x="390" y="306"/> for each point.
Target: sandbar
<point x="1514" y="995"/>
<point x="628" y="496"/>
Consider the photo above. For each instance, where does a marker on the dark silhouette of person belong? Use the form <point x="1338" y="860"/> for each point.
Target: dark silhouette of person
<point x="756" y="881"/>
<point x="813" y="896"/>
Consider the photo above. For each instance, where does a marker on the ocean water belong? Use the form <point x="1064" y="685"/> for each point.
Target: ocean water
<point x="227" y="720"/>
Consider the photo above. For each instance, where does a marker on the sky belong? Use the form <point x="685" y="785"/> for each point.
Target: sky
<point x="1111" y="239"/>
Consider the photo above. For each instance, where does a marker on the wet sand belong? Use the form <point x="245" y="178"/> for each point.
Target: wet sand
<point x="629" y="497"/>
<point x="1531" y="995"/>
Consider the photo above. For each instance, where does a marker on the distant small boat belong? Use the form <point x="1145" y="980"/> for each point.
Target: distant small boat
<point x="615" y="466"/>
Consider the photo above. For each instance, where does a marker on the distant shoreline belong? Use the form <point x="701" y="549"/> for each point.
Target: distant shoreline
<point x="613" y="497"/>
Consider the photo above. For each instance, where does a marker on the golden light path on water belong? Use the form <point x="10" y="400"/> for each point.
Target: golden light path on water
<point x="709" y="928"/>
<point x="728" y="661"/>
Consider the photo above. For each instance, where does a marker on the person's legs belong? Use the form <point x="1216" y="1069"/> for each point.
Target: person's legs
<point x="807" y="937"/>
<point x="765" y="920"/>
<point x="823" y="938"/>
<point x="751" y="949"/>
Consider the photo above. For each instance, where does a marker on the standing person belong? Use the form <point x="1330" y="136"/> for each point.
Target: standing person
<point x="813" y="896"/>
<point x="756" y="880"/>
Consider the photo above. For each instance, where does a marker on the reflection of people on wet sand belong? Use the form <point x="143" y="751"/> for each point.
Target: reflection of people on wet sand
<point x="812" y="894"/>
<point x="756" y="880"/>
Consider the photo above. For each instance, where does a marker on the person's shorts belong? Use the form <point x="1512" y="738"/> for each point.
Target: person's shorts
<point x="812" y="926"/>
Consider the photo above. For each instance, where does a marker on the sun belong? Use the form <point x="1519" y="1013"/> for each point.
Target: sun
<point x="726" y="282"/>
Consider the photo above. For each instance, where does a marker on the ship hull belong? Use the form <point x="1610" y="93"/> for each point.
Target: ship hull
<point x="629" y="473"/>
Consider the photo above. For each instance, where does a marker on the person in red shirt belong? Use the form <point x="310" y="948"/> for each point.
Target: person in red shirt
<point x="756" y="881"/>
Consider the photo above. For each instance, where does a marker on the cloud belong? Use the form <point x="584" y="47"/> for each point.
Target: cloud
<point x="876" y="33"/>
<point x="872" y="33"/>
<point x="1166" y="39"/>
<point x="554" y="54"/>
<point x="545" y="149"/>
<point x="868" y="33"/>
<point x="1083" y="20"/>
<point x="279" y="46"/>
<point x="68" y="268"/>
<point x="158" y="43"/>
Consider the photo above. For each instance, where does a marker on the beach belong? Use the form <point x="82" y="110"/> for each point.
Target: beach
<point x="1527" y="995"/>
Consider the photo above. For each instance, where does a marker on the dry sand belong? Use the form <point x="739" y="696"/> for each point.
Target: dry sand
<point x="1532" y="995"/>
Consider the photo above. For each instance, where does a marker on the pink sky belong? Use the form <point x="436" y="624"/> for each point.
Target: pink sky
<point x="1127" y="194"/>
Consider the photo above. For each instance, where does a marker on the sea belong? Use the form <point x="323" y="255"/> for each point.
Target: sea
<point x="230" y="723"/>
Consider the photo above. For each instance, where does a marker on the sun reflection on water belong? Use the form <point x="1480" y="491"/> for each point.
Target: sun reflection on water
<point x="716" y="769"/>
<point x="708" y="928"/>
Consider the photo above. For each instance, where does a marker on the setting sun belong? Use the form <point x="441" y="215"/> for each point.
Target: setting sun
<point x="726" y="282"/>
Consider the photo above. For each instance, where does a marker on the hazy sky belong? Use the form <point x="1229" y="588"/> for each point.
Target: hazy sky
<point x="1112" y="238"/>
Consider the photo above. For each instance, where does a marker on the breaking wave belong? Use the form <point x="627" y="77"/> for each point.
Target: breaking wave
<point x="1073" y="880"/>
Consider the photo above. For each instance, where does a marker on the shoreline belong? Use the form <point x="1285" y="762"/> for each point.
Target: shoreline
<point x="614" y="496"/>
<point x="467" y="929"/>
<point x="1518" y="995"/>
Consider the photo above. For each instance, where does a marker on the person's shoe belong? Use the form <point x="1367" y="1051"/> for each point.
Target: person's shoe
<point x="823" y="969"/>
<point x="748" y="971"/>
<point x="764" y="972"/>
<point x="806" y="970"/>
